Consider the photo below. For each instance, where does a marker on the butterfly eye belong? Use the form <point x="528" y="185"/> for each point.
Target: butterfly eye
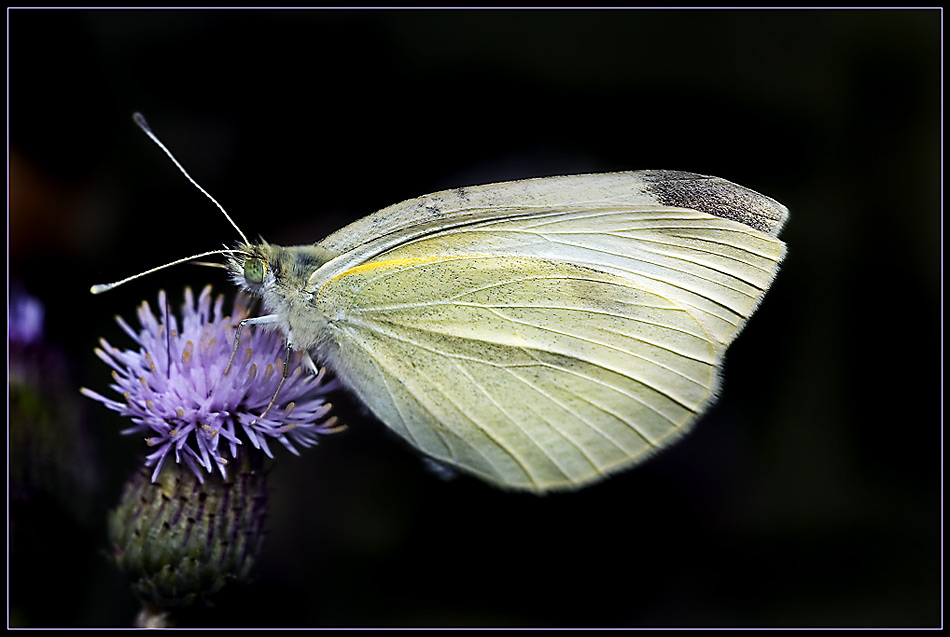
<point x="254" y="271"/>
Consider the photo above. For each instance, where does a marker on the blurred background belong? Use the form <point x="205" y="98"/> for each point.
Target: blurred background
<point x="810" y="495"/>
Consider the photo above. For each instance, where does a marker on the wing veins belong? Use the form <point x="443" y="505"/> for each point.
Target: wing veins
<point x="612" y="387"/>
<point x="663" y="265"/>
<point x="538" y="445"/>
<point x="608" y="210"/>
<point x="448" y="395"/>
<point x="611" y="347"/>
<point x="624" y="420"/>
<point x="377" y="363"/>
<point x="433" y="416"/>
<point x="639" y="226"/>
<point x="494" y="308"/>
<point x="584" y="419"/>
<point x="491" y="308"/>
<point x="645" y="240"/>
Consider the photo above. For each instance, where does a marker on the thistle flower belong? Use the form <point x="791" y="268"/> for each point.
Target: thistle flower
<point x="176" y="391"/>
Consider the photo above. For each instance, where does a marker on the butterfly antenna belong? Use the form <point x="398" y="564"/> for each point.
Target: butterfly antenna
<point x="140" y="121"/>
<point x="99" y="288"/>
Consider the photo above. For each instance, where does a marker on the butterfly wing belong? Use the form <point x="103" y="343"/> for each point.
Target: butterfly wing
<point x="542" y="347"/>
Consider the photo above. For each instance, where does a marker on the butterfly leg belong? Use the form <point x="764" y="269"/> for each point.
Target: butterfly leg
<point x="283" y="378"/>
<point x="259" y="320"/>
<point x="308" y="362"/>
<point x="262" y="320"/>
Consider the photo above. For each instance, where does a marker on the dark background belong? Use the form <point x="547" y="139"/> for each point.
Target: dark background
<point x="810" y="495"/>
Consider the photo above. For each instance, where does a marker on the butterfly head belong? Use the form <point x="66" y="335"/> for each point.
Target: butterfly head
<point x="252" y="267"/>
<point x="264" y="268"/>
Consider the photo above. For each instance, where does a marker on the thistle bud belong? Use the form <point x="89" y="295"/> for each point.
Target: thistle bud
<point x="180" y="540"/>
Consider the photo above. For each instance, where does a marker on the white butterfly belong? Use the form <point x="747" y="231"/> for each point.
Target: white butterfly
<point x="539" y="334"/>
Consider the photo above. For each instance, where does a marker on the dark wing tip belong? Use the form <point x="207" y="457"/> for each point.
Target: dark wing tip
<point x="717" y="197"/>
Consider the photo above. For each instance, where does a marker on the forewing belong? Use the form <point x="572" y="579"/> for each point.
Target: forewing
<point x="715" y="268"/>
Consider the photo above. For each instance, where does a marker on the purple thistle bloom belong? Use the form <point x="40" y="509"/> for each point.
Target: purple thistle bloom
<point x="25" y="318"/>
<point x="177" y="394"/>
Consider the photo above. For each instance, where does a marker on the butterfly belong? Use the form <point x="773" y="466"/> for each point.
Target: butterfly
<point x="539" y="334"/>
